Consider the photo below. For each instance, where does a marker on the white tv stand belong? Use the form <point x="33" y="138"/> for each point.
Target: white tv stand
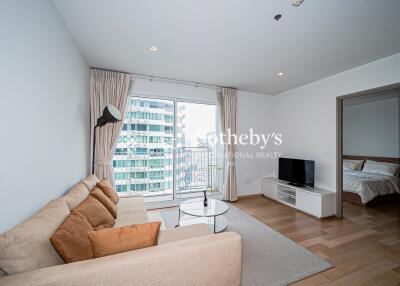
<point x="314" y="201"/>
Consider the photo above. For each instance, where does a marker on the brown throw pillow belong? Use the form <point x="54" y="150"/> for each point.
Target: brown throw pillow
<point x="106" y="187"/>
<point x="96" y="214"/>
<point x="116" y="240"/>
<point x="102" y="198"/>
<point x="71" y="239"/>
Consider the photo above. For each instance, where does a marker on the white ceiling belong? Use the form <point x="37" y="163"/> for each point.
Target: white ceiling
<point x="234" y="42"/>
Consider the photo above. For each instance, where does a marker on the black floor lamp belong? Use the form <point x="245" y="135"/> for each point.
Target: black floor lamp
<point x="110" y="115"/>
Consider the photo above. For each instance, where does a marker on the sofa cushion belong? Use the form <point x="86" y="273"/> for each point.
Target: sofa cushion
<point x="96" y="214"/>
<point x="102" y="198"/>
<point x="2" y="273"/>
<point x="71" y="239"/>
<point x="130" y="204"/>
<point x="76" y="195"/>
<point x="27" y="246"/>
<point x="183" y="232"/>
<point x="90" y="182"/>
<point x="116" y="240"/>
<point x="125" y="219"/>
<point x="130" y="210"/>
<point x="108" y="190"/>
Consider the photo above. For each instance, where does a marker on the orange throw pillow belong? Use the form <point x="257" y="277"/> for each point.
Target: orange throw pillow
<point x="102" y="198"/>
<point x="116" y="240"/>
<point x="96" y="214"/>
<point x="71" y="239"/>
<point x="106" y="187"/>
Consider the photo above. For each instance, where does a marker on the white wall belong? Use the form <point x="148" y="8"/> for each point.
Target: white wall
<point x="44" y="147"/>
<point x="254" y="111"/>
<point x="306" y="116"/>
<point x="372" y="128"/>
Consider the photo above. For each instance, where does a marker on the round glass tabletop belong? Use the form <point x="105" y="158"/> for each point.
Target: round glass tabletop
<point x="195" y="207"/>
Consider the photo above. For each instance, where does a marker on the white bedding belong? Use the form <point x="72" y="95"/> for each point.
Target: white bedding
<point x="370" y="185"/>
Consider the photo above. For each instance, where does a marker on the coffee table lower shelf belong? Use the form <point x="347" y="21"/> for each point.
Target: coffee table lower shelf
<point x="220" y="225"/>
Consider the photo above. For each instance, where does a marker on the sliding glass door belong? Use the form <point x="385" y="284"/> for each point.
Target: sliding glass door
<point x="196" y="153"/>
<point x="163" y="151"/>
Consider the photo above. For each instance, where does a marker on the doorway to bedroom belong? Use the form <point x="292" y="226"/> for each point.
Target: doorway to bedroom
<point x="368" y="151"/>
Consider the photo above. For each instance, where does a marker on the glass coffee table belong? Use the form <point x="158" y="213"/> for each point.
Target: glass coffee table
<point x="193" y="211"/>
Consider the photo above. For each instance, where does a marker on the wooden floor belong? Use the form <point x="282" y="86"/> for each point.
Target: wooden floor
<point x="364" y="246"/>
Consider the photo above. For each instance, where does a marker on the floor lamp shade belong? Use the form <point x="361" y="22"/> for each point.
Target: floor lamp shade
<point x="110" y="115"/>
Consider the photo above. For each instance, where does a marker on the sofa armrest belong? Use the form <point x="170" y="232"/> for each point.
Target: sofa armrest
<point x="207" y="260"/>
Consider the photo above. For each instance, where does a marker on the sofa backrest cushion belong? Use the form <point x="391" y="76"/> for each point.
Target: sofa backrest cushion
<point x="96" y="214"/>
<point x="71" y="239"/>
<point x="27" y="246"/>
<point x="106" y="187"/>
<point x="76" y="195"/>
<point x="102" y="198"/>
<point x="130" y="204"/>
<point x="90" y="182"/>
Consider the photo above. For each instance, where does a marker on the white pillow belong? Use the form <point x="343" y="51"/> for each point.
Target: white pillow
<point x="382" y="168"/>
<point x="352" y="165"/>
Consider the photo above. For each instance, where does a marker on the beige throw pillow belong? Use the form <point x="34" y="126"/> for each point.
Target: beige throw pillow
<point x="27" y="246"/>
<point x="76" y="195"/>
<point x="90" y="182"/>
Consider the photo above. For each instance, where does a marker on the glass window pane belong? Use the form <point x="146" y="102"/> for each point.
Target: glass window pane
<point x="143" y="157"/>
<point x="143" y="160"/>
<point x="196" y="164"/>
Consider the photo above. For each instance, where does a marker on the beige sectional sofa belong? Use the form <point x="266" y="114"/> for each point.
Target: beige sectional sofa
<point x="188" y="255"/>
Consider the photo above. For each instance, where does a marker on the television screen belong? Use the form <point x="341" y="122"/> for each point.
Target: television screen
<point x="297" y="172"/>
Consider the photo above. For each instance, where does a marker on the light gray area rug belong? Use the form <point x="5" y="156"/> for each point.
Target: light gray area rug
<point x="269" y="258"/>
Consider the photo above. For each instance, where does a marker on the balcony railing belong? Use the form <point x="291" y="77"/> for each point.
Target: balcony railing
<point x="151" y="173"/>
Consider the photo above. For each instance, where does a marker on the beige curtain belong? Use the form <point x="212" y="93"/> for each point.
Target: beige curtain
<point x="107" y="87"/>
<point x="227" y="101"/>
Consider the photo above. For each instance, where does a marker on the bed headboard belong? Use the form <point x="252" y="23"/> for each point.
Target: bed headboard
<point x="378" y="159"/>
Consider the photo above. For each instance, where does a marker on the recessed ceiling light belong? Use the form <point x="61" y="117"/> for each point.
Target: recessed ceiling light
<point x="280" y="74"/>
<point x="153" y="48"/>
<point x="297" y="2"/>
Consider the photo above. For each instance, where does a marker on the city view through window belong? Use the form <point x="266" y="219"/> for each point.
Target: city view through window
<point x="163" y="145"/>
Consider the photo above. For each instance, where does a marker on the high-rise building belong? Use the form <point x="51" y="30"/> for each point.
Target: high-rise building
<point x="143" y="160"/>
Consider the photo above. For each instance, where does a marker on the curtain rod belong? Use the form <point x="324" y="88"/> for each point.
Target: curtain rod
<point x="171" y="80"/>
<point x="183" y="82"/>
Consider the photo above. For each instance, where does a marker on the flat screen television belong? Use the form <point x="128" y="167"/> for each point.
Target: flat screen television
<point x="297" y="172"/>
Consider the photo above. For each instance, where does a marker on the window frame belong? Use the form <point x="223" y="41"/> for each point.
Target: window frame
<point x="145" y="95"/>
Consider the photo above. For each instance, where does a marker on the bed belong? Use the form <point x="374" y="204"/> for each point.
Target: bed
<point x="365" y="186"/>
